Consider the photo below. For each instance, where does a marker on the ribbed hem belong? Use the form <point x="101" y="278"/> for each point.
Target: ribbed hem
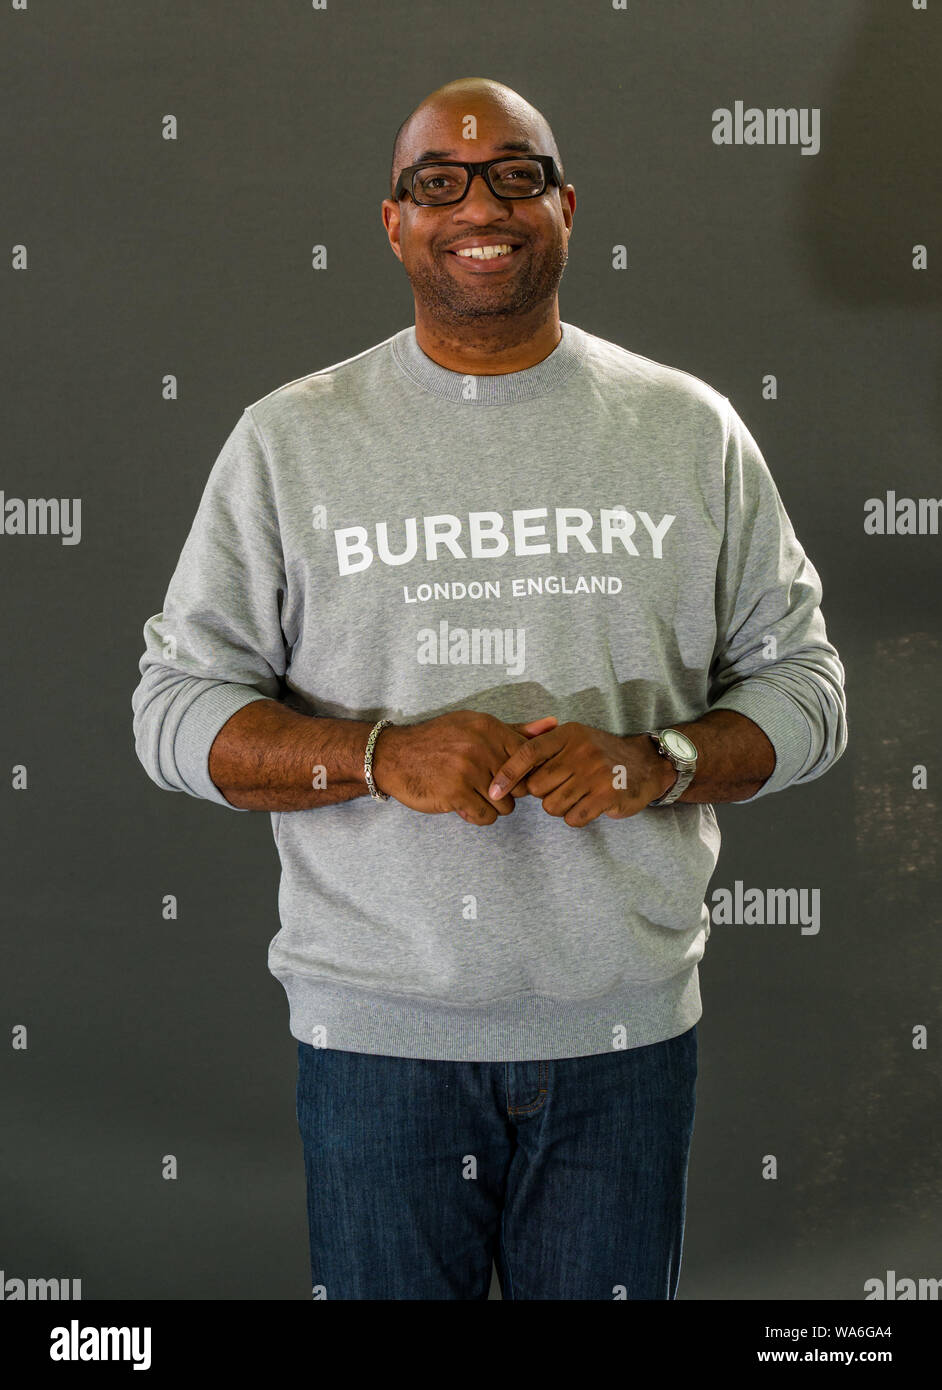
<point x="197" y="730"/>
<point x="783" y="723"/>
<point x="470" y="388"/>
<point x="531" y="1027"/>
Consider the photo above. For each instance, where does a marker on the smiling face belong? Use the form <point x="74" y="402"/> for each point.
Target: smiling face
<point x="452" y="286"/>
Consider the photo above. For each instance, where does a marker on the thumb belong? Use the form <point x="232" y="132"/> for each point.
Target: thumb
<point x="537" y="726"/>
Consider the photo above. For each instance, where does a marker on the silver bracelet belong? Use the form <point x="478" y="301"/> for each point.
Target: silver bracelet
<point x="375" y="792"/>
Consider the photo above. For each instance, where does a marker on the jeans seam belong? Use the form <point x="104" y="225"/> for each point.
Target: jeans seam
<point x="542" y="1087"/>
<point x="505" y="1259"/>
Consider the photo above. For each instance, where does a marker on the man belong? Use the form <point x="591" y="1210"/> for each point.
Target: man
<point x="500" y="567"/>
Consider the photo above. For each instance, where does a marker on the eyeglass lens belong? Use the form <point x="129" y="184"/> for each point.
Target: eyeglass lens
<point x="511" y="178"/>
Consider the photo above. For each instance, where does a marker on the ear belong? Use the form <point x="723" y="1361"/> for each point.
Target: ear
<point x="389" y="211"/>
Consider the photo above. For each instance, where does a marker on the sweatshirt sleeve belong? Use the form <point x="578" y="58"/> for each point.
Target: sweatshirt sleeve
<point x="773" y="661"/>
<point x="218" y="644"/>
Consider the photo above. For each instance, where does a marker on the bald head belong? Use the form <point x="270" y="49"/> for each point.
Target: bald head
<point x="469" y="96"/>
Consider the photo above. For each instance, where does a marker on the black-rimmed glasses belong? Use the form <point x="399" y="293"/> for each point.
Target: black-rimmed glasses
<point x="437" y="184"/>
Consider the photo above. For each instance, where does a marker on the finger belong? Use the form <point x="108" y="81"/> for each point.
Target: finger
<point x="536" y="726"/>
<point x="561" y="798"/>
<point x="522" y="762"/>
<point x="482" y="811"/>
<point x="587" y="809"/>
<point x="550" y="775"/>
<point x="532" y="730"/>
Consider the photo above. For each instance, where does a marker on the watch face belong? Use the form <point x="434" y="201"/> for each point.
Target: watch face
<point x="678" y="744"/>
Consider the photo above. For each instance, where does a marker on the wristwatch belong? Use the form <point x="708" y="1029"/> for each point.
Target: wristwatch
<point x="677" y="747"/>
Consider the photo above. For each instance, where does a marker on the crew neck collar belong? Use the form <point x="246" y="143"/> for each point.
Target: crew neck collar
<point x="504" y="389"/>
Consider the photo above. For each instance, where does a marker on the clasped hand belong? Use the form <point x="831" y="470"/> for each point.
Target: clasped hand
<point x="580" y="773"/>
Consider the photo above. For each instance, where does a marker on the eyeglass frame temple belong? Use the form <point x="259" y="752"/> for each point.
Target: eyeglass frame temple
<point x="552" y="175"/>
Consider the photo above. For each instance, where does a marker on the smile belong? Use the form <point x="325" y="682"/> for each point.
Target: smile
<point x="485" y="257"/>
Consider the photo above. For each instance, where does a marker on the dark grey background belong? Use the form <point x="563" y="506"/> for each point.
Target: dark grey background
<point x="193" y="257"/>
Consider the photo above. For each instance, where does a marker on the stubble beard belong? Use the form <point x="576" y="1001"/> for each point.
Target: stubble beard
<point x="454" y="306"/>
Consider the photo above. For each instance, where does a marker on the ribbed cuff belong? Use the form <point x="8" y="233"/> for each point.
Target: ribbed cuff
<point x="197" y="730"/>
<point x="781" y="720"/>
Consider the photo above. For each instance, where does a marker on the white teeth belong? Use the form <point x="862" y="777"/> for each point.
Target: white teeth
<point x="484" y="253"/>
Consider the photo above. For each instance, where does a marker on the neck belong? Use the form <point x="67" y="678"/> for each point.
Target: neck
<point x="481" y="348"/>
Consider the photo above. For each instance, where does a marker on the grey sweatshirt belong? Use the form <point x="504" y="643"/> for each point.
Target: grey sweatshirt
<point x="597" y="537"/>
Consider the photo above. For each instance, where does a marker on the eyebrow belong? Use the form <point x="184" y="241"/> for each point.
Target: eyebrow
<point x="521" y="146"/>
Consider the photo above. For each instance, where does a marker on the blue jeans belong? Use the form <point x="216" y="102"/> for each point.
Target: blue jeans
<point x="571" y="1175"/>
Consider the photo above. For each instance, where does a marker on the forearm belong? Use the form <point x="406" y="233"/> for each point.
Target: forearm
<point x="734" y="758"/>
<point x="268" y="757"/>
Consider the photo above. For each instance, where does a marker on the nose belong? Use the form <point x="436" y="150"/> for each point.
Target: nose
<point x="479" y="201"/>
